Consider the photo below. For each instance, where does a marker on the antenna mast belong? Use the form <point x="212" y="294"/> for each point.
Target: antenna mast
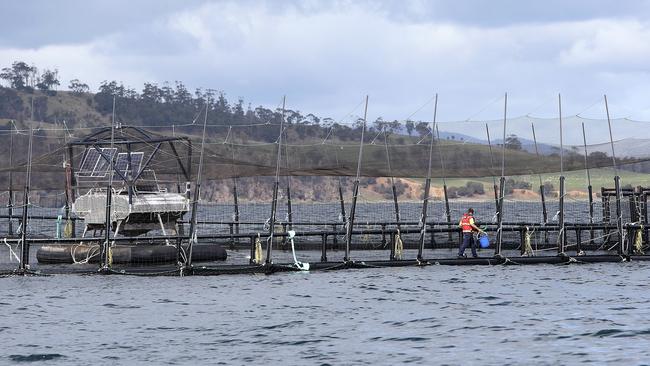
<point x="355" y="190"/>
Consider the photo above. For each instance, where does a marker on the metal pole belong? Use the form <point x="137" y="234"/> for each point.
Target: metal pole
<point x="197" y="193"/>
<point x="129" y="173"/>
<point x="541" y="186"/>
<point x="24" y="261"/>
<point x="499" y="240"/>
<point x="559" y="101"/>
<point x="276" y="184"/>
<point x="395" y="202"/>
<point x="502" y="181"/>
<point x="10" y="203"/>
<point x="589" y="187"/>
<point x="235" y="197"/>
<point x="236" y="204"/>
<point x="105" y="255"/>
<point x="644" y="202"/>
<point x="494" y="180"/>
<point x="444" y="183"/>
<point x="617" y="182"/>
<point x="73" y="183"/>
<point x="503" y="150"/>
<point x="619" y="216"/>
<point x="427" y="187"/>
<point x="67" y="188"/>
<point x="611" y="138"/>
<point x="341" y="202"/>
<point x="562" y="236"/>
<point x="355" y="190"/>
<point x="289" y="207"/>
<point x="606" y="213"/>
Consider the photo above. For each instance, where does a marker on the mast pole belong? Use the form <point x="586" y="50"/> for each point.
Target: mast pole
<point x="276" y="184"/>
<point x="541" y="186"/>
<point x="197" y="193"/>
<point x="289" y="206"/>
<point x="589" y="187"/>
<point x="392" y="181"/>
<point x="343" y="218"/>
<point x="502" y="182"/>
<point x="395" y="202"/>
<point x="355" y="190"/>
<point x="235" y="196"/>
<point x="444" y="183"/>
<point x="24" y="261"/>
<point x="617" y="183"/>
<point x="10" y="203"/>
<point x="494" y="180"/>
<point x="427" y="186"/>
<point x="562" y="237"/>
<point x="611" y="138"/>
<point x="105" y="255"/>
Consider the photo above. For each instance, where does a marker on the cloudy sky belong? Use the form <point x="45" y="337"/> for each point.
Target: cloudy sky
<point x="327" y="55"/>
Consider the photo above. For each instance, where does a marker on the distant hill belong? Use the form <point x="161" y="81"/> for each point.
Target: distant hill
<point x="255" y="132"/>
<point x="630" y="147"/>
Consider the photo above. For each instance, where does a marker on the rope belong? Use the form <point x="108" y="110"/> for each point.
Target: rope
<point x="67" y="229"/>
<point x="258" y="250"/>
<point x="528" y="248"/>
<point x="92" y="251"/>
<point x="399" y="246"/>
<point x="638" y="241"/>
<point x="299" y="265"/>
<point x="11" y="250"/>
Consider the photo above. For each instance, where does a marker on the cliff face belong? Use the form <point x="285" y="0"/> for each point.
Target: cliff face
<point x="312" y="189"/>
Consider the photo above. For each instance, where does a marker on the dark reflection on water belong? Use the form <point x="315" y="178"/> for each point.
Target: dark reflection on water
<point x="542" y="315"/>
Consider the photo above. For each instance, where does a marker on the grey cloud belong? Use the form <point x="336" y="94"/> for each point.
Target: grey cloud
<point x="327" y="55"/>
<point x="36" y="23"/>
<point x="510" y="12"/>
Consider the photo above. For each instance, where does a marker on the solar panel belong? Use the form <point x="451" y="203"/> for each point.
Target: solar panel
<point x="122" y="163"/>
<point x="94" y="164"/>
<point x="103" y="164"/>
<point x="89" y="162"/>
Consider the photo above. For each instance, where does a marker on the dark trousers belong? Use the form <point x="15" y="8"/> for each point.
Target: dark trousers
<point x="468" y="239"/>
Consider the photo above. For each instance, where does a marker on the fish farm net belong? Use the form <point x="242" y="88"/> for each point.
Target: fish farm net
<point x="178" y="203"/>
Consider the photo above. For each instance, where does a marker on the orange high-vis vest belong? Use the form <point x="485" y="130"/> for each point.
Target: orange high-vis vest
<point x="466" y="223"/>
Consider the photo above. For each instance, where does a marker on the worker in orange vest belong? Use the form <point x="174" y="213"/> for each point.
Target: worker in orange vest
<point x="467" y="225"/>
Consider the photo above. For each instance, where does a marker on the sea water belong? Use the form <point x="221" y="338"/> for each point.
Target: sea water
<point x="494" y="315"/>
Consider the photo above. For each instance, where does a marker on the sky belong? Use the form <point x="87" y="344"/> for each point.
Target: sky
<point x="325" y="56"/>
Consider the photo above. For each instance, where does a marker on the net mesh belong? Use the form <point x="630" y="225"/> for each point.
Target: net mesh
<point x="315" y="160"/>
<point x="313" y="150"/>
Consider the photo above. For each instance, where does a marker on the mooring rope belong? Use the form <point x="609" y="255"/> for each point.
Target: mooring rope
<point x="399" y="246"/>
<point x="67" y="229"/>
<point x="258" y="250"/>
<point x="92" y="251"/>
<point x="638" y="241"/>
<point x="11" y="250"/>
<point x="528" y="248"/>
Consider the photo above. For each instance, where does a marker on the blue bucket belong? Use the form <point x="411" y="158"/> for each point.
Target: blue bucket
<point x="484" y="241"/>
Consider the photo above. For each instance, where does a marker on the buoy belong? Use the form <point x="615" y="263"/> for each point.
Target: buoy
<point x="484" y="241"/>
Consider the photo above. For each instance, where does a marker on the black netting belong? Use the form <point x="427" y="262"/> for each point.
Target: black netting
<point x="309" y="150"/>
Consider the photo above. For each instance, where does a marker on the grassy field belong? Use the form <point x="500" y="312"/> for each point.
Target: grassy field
<point x="575" y="180"/>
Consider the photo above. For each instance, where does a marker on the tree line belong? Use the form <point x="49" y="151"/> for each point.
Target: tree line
<point x="175" y="104"/>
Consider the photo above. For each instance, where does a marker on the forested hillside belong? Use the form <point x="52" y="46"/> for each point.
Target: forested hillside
<point x="29" y="95"/>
